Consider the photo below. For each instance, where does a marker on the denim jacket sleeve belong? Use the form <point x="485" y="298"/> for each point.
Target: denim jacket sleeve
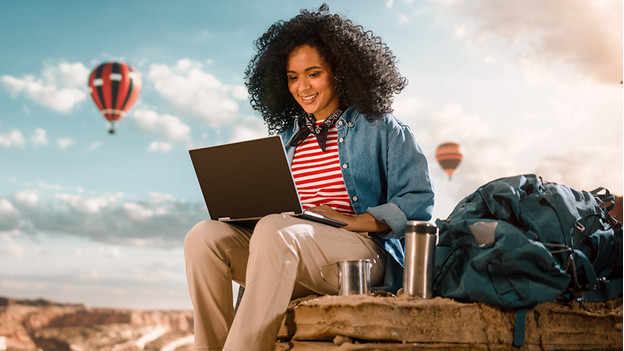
<point x="409" y="192"/>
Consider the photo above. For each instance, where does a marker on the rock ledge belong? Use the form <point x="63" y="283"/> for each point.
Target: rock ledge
<point x="405" y="323"/>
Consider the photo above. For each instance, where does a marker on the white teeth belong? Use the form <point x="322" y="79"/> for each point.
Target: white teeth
<point x="307" y="98"/>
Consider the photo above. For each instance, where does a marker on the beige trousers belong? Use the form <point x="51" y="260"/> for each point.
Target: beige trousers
<point x="280" y="261"/>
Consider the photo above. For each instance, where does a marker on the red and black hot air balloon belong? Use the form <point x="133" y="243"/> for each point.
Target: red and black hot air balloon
<point x="115" y="87"/>
<point x="449" y="155"/>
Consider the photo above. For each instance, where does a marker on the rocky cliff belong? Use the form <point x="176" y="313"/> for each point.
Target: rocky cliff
<point x="404" y="323"/>
<point x="322" y="323"/>
<point x="49" y="326"/>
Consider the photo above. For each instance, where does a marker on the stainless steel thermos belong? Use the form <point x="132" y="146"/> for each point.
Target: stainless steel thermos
<point x="420" y="240"/>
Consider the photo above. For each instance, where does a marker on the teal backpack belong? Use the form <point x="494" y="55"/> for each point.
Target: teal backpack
<point x="518" y="241"/>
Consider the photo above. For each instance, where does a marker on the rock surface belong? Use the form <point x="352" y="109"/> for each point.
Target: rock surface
<point x="404" y="323"/>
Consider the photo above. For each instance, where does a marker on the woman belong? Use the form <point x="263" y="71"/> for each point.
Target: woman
<point x="326" y="86"/>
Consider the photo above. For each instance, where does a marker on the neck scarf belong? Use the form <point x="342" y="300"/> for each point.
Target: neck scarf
<point x="308" y="126"/>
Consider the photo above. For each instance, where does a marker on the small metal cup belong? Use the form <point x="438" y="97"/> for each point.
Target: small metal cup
<point x="420" y="240"/>
<point x="354" y="276"/>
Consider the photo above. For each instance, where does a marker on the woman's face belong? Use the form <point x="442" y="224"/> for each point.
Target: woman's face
<point x="311" y="82"/>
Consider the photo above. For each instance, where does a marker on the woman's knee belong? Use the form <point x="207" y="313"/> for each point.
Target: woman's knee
<point x="197" y="233"/>
<point x="274" y="230"/>
<point x="206" y="234"/>
<point x="269" y="224"/>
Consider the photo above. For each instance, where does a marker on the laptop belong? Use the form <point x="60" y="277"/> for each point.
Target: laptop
<point x="244" y="181"/>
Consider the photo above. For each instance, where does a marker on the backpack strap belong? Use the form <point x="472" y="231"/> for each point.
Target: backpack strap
<point x="590" y="273"/>
<point x="606" y="290"/>
<point x="606" y="202"/>
<point x="519" y="327"/>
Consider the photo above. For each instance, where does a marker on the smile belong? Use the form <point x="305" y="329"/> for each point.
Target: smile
<point x="309" y="98"/>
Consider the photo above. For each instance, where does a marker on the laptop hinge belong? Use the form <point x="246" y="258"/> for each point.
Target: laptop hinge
<point x="224" y="218"/>
<point x="288" y="213"/>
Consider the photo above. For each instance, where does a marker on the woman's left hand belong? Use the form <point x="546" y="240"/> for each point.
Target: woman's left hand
<point x="364" y="222"/>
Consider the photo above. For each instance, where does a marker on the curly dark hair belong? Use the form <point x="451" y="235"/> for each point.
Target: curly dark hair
<point x="364" y="67"/>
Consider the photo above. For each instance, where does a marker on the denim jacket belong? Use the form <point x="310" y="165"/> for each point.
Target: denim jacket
<point x="386" y="175"/>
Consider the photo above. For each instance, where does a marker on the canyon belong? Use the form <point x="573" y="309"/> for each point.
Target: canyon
<point x="41" y="325"/>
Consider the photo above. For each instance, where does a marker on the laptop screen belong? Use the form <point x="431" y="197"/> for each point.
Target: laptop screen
<point x="248" y="179"/>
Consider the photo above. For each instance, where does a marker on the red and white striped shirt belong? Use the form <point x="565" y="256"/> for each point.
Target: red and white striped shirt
<point x="317" y="174"/>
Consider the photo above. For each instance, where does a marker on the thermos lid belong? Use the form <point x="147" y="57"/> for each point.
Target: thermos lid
<point x="421" y="227"/>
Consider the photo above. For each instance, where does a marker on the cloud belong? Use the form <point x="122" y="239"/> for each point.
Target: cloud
<point x="94" y="145"/>
<point x="405" y="105"/>
<point x="156" y="221"/>
<point x="403" y="19"/>
<point x="138" y="212"/>
<point x="196" y="93"/>
<point x="58" y="87"/>
<point x="97" y="274"/>
<point x="578" y="169"/>
<point x="557" y="142"/>
<point x="450" y="123"/>
<point x="13" y="138"/>
<point x="65" y="143"/>
<point x="27" y="197"/>
<point x="6" y="207"/>
<point x="240" y="92"/>
<point x="11" y="250"/>
<point x="92" y="205"/>
<point x="584" y="35"/>
<point x="48" y="186"/>
<point x="39" y="138"/>
<point x="18" y="285"/>
<point x="159" y="146"/>
<point x="167" y="127"/>
<point x="9" y="218"/>
<point x="249" y="128"/>
<point x="66" y="74"/>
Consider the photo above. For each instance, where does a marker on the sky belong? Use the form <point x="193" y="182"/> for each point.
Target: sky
<point x="525" y="86"/>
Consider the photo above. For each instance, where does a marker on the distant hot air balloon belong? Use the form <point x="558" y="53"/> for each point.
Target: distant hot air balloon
<point x="115" y="87"/>
<point x="449" y="155"/>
